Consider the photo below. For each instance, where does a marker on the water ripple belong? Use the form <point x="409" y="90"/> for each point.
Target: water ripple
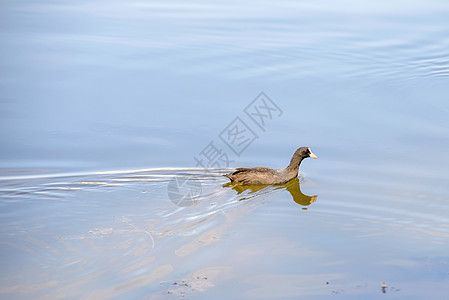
<point x="238" y="41"/>
<point x="74" y="229"/>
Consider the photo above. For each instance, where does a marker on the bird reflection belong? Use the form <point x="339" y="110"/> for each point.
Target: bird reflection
<point x="293" y="187"/>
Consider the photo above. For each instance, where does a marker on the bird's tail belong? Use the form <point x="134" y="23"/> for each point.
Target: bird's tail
<point x="228" y="176"/>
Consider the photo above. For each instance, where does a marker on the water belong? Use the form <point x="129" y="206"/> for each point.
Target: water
<point x="104" y="104"/>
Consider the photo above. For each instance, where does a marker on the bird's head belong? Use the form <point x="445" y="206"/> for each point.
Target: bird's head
<point x="305" y="152"/>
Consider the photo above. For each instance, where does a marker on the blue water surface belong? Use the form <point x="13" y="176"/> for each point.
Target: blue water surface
<point x="104" y="103"/>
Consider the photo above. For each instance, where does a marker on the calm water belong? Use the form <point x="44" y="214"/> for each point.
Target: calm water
<point x="109" y="110"/>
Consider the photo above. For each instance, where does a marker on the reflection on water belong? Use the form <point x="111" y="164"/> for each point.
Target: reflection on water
<point x="111" y="233"/>
<point x="293" y="187"/>
<point x="119" y="234"/>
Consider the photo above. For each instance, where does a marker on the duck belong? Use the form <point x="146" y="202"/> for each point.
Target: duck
<point x="262" y="175"/>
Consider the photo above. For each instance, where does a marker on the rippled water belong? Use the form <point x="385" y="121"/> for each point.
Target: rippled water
<point x="116" y="234"/>
<point x="144" y="87"/>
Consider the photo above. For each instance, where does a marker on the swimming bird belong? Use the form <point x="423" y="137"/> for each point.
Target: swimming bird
<point x="261" y="175"/>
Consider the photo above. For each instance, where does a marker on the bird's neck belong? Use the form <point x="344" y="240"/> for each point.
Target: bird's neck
<point x="293" y="167"/>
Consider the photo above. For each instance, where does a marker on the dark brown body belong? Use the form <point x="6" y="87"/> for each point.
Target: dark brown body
<point x="261" y="175"/>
